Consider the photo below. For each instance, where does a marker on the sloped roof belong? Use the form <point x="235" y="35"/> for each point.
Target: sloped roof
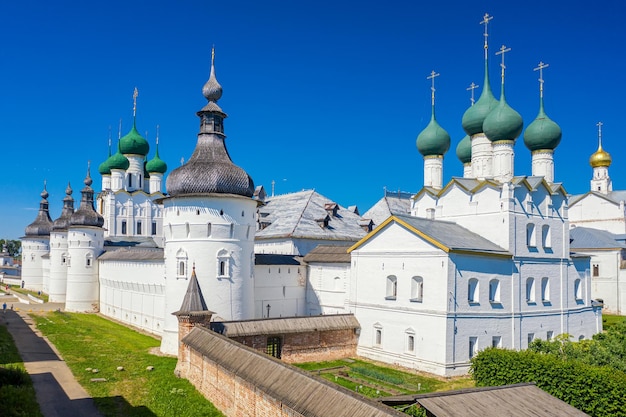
<point x="286" y="325"/>
<point x="448" y="236"/>
<point x="297" y="389"/>
<point x="296" y="215"/>
<point x="391" y="203"/>
<point x="129" y="253"/>
<point x="146" y="242"/>
<point x="193" y="302"/>
<point x="587" y="238"/>
<point x="329" y="254"/>
<point x="274" y="259"/>
<point x="519" y="400"/>
<point x="613" y="196"/>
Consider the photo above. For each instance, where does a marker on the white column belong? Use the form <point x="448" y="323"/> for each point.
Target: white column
<point x="467" y="170"/>
<point x="85" y="244"/>
<point x="58" y="266"/>
<point x="503" y="160"/>
<point x="117" y="179"/>
<point x="156" y="180"/>
<point x="433" y="171"/>
<point x="601" y="182"/>
<point x="135" y="172"/>
<point x="106" y="182"/>
<point x="482" y="157"/>
<point x="543" y="164"/>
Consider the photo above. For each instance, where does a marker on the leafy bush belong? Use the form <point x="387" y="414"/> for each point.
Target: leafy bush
<point x="596" y="390"/>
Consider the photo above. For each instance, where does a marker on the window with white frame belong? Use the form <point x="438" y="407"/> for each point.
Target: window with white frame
<point x="531" y="239"/>
<point x="545" y="289"/>
<point x="496" y="341"/>
<point x="378" y="335"/>
<point x="531" y="337"/>
<point x="549" y="335"/>
<point x="417" y="289"/>
<point x="181" y="264"/>
<point x="473" y="346"/>
<point x="530" y="290"/>
<point x="596" y="270"/>
<point x="89" y="260"/>
<point x="578" y="289"/>
<point x="472" y="291"/>
<point x="546" y="238"/>
<point x="223" y="264"/>
<point x="392" y="287"/>
<point x="494" y="291"/>
<point x="410" y="340"/>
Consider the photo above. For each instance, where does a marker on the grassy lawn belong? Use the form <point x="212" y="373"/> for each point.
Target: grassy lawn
<point x="609" y="320"/>
<point x="17" y="395"/>
<point x="22" y="291"/>
<point x="373" y="380"/>
<point x="88" y="341"/>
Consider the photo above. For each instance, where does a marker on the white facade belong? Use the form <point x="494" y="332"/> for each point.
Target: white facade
<point x="327" y="290"/>
<point x="282" y="287"/>
<point x="33" y="251"/>
<point x="85" y="244"/>
<point x="58" y="266"/>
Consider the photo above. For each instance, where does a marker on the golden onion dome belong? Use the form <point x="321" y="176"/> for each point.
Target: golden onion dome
<point x="600" y="158"/>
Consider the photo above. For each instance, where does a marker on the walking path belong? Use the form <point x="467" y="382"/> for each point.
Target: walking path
<point x="58" y="393"/>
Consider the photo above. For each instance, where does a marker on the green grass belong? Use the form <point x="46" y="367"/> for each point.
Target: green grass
<point x="376" y="380"/>
<point x="17" y="395"/>
<point x="609" y="320"/>
<point x="17" y="289"/>
<point x="90" y="341"/>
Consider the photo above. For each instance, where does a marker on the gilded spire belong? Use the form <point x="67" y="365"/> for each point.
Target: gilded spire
<point x="600" y="158"/>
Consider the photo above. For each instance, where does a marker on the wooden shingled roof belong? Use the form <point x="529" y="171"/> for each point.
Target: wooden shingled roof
<point x="306" y="394"/>
<point x="519" y="400"/>
<point x="286" y="325"/>
<point x="328" y="254"/>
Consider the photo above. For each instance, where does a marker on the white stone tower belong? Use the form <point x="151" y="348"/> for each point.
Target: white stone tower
<point x="600" y="162"/>
<point x="36" y="244"/>
<point x="209" y="222"/>
<point x="85" y="239"/>
<point x="57" y="287"/>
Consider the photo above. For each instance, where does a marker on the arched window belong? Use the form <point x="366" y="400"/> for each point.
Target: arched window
<point x="546" y="238"/>
<point x="410" y="340"/>
<point x="531" y="239"/>
<point x="545" y="289"/>
<point x="223" y="264"/>
<point x="472" y="290"/>
<point x="494" y="291"/>
<point x="378" y="335"/>
<point x="89" y="260"/>
<point x="417" y="289"/>
<point x="578" y="290"/>
<point x="208" y="230"/>
<point x="392" y="287"/>
<point x="530" y="290"/>
<point x="181" y="264"/>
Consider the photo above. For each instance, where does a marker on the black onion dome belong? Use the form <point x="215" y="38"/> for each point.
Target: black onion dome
<point x="42" y="226"/>
<point x="86" y="215"/>
<point x="210" y="169"/>
<point x="63" y="222"/>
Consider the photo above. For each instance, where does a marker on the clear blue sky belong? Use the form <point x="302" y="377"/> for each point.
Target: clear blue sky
<point x="320" y="94"/>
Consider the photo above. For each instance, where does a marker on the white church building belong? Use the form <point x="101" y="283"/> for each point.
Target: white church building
<point x="432" y="278"/>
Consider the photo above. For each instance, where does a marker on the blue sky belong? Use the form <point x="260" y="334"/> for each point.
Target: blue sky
<point x="320" y="94"/>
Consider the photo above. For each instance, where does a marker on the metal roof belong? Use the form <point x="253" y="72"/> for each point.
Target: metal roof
<point x="273" y="259"/>
<point x="587" y="238"/>
<point x="329" y="254"/>
<point x="286" y="325"/>
<point x="612" y="196"/>
<point x="519" y="400"/>
<point x="128" y="253"/>
<point x="392" y="203"/>
<point x="304" y="393"/>
<point x="298" y="215"/>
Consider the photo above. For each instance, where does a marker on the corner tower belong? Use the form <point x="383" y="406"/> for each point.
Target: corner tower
<point x="209" y="221"/>
<point x="58" y="250"/>
<point x="36" y="244"/>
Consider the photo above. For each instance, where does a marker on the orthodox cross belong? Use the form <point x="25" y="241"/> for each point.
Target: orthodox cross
<point x="119" y="130"/>
<point x="485" y="21"/>
<point x="212" y="54"/>
<point x="540" y="69"/>
<point x="135" y="94"/>
<point x="502" y="51"/>
<point x="431" y="77"/>
<point x="157" y="136"/>
<point x="599" y="124"/>
<point x="471" y="88"/>
<point x="109" y="140"/>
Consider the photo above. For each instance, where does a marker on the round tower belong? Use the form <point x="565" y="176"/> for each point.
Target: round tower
<point x="59" y="250"/>
<point x="482" y="150"/>
<point x="600" y="161"/>
<point x="209" y="221"/>
<point x="36" y="244"/>
<point x="542" y="137"/>
<point x="433" y="142"/>
<point x="85" y="238"/>
<point x="502" y="126"/>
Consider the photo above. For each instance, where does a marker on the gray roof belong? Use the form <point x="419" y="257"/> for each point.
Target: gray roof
<point x="63" y="222"/>
<point x="453" y="236"/>
<point x="128" y="253"/>
<point x="273" y="259"/>
<point x="520" y="400"/>
<point x="86" y="215"/>
<point x="286" y="325"/>
<point x="193" y="302"/>
<point x="43" y="223"/>
<point x="134" y="241"/>
<point x="587" y="238"/>
<point x="392" y="203"/>
<point x="328" y="254"/>
<point x="613" y="196"/>
<point x="298" y="215"/>
<point x="306" y="394"/>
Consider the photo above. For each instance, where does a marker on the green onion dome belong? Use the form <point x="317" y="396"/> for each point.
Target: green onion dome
<point x="134" y="143"/>
<point x="118" y="161"/>
<point x="475" y="116"/>
<point x="156" y="164"/>
<point x="542" y="133"/>
<point x="464" y="150"/>
<point x="433" y="140"/>
<point x="503" y="123"/>
<point x="104" y="168"/>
